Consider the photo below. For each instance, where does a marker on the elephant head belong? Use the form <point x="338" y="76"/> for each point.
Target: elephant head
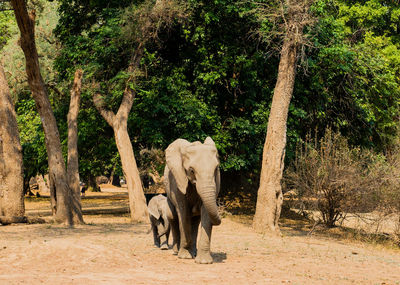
<point x="198" y="164"/>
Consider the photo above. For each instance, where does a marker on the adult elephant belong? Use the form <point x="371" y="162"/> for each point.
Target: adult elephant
<point x="192" y="181"/>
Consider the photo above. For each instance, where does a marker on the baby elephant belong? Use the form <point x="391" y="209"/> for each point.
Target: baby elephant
<point x="159" y="211"/>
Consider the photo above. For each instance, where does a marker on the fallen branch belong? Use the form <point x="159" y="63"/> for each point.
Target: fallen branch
<point x="7" y="220"/>
<point x="313" y="227"/>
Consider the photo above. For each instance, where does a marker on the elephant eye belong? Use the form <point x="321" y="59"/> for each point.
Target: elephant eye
<point x="191" y="170"/>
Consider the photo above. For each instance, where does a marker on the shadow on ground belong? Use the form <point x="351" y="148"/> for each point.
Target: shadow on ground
<point x="50" y="230"/>
<point x="218" y="257"/>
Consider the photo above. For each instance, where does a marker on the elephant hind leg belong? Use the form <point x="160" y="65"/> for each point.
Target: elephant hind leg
<point x="165" y="245"/>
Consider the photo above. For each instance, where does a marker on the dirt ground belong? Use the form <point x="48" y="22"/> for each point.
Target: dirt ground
<point x="110" y="250"/>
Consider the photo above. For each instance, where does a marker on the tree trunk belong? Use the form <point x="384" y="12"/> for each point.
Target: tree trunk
<point x="26" y="185"/>
<point x="73" y="162"/>
<point x="65" y="209"/>
<point x="53" y="200"/>
<point x="269" y="200"/>
<point x="92" y="183"/>
<point x="137" y="200"/>
<point x="11" y="172"/>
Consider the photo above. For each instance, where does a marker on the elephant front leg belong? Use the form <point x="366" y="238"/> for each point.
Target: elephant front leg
<point x="167" y="238"/>
<point x="203" y="248"/>
<point x="154" y="227"/>
<point x="163" y="240"/>
<point x="185" y="228"/>
<point x="175" y="236"/>
<point x="195" y="229"/>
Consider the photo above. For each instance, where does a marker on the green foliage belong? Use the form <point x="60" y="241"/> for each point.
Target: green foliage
<point x="29" y="124"/>
<point x="13" y="57"/>
<point x="208" y="74"/>
<point x="222" y="73"/>
<point x="5" y="23"/>
<point x="32" y="138"/>
<point x="352" y="72"/>
<point x="201" y="77"/>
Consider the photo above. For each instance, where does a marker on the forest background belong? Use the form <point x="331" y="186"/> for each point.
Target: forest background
<point x="212" y="72"/>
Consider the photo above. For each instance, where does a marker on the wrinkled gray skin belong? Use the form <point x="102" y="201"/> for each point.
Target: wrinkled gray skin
<point x="192" y="181"/>
<point x="158" y="211"/>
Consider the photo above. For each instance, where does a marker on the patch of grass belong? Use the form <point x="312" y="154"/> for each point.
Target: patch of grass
<point x="350" y="234"/>
<point x="34" y="199"/>
<point x="243" y="219"/>
<point x="239" y="203"/>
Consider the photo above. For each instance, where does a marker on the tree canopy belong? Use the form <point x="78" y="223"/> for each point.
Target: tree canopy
<point x="209" y="73"/>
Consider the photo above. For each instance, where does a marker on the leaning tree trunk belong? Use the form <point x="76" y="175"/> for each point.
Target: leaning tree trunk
<point x="119" y="123"/>
<point x="12" y="206"/>
<point x="65" y="209"/>
<point x="137" y="200"/>
<point x="73" y="162"/>
<point x="269" y="200"/>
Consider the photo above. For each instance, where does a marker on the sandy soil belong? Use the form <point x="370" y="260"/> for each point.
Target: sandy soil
<point x="110" y="250"/>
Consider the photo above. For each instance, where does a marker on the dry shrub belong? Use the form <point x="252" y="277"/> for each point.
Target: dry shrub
<point x="335" y="179"/>
<point x="390" y="204"/>
<point x="396" y="234"/>
<point x="144" y="22"/>
<point x="151" y="165"/>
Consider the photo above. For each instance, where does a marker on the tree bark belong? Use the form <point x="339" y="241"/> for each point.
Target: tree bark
<point x="73" y="161"/>
<point x="65" y="209"/>
<point x="92" y="183"/>
<point x="137" y="200"/>
<point x="11" y="170"/>
<point x="269" y="200"/>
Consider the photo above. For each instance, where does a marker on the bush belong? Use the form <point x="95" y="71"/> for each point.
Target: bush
<point x="335" y="179"/>
<point x="151" y="167"/>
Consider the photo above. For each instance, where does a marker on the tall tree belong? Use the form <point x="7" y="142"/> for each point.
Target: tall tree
<point x="72" y="118"/>
<point x="142" y="26"/>
<point x="269" y="201"/>
<point x="66" y="206"/>
<point x="12" y="207"/>
<point x="119" y="123"/>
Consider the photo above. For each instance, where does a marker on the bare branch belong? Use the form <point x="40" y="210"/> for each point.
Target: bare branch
<point x="55" y="89"/>
<point x="288" y="19"/>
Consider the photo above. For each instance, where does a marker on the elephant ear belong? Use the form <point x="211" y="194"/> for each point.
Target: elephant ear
<point x="173" y="155"/>
<point x="153" y="208"/>
<point x="209" y="141"/>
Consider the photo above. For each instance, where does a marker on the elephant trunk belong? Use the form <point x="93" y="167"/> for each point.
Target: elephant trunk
<point x="166" y="227"/>
<point x="208" y="196"/>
